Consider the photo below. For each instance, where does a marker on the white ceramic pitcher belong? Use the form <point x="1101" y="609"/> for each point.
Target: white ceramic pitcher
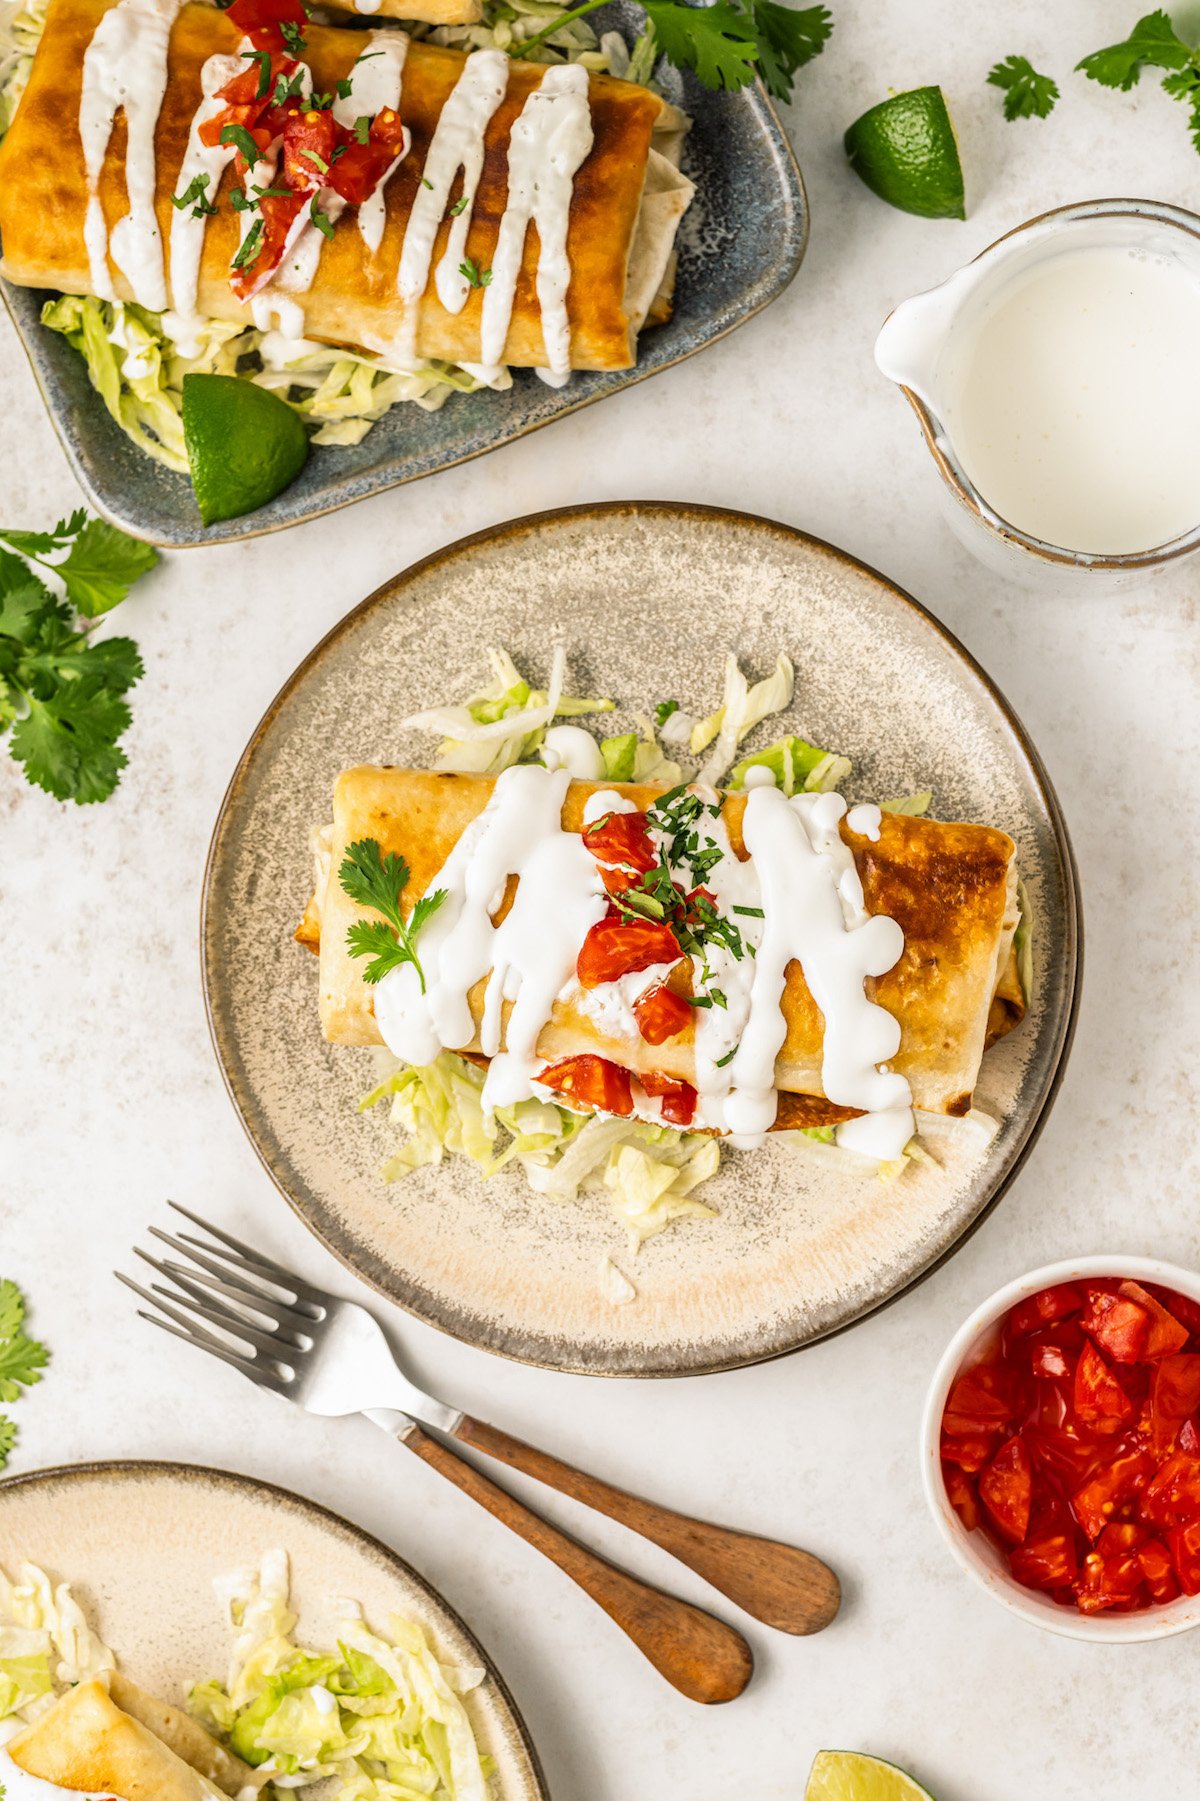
<point x="918" y="340"/>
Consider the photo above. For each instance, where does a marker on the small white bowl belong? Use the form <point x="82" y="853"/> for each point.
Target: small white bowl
<point x="974" y="1551"/>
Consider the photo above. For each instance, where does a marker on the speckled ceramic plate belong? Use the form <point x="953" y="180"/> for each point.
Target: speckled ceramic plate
<point x="741" y="243"/>
<point x="649" y="598"/>
<point x="143" y="1542"/>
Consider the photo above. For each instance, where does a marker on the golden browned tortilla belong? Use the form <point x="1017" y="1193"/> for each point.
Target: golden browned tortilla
<point x="628" y="198"/>
<point x="950" y="888"/>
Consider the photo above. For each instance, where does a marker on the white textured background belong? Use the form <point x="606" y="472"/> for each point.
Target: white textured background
<point x="110" y="1099"/>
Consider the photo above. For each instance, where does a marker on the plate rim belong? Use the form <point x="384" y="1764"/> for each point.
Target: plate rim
<point x="227" y="532"/>
<point x="49" y="1474"/>
<point x="528" y="525"/>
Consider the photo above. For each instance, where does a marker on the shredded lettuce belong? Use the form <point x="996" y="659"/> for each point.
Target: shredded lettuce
<point x="914" y="805"/>
<point x="506" y="722"/>
<point x="379" y="1717"/>
<point x="46" y="1645"/>
<point x="796" y="766"/>
<point x="21" y="27"/>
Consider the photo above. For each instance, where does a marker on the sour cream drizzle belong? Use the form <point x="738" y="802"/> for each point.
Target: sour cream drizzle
<point x="799" y="873"/>
<point x="376" y="80"/>
<point x="125" y="69"/>
<point x="187" y="232"/>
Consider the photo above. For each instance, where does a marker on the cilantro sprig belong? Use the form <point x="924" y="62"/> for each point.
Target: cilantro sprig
<point x="727" y="43"/>
<point x="374" y="880"/>
<point x="1155" y="44"/>
<point x="1027" y="95"/>
<point x="22" y="1359"/>
<point x="61" y="690"/>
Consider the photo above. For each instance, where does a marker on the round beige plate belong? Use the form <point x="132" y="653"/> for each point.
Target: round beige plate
<point x="142" y="1544"/>
<point x="648" y="599"/>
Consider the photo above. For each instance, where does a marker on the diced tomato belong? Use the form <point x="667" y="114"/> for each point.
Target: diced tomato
<point x="1189" y="1438"/>
<point x="278" y="213"/>
<point x="985" y="1396"/>
<point x="1113" y="1483"/>
<point x="622" y="838"/>
<point x="262" y="21"/>
<point x="1051" y="1355"/>
<point x="1172" y="1496"/>
<point x="310" y="137"/>
<point x="1166" y="1334"/>
<point x="1062" y="1454"/>
<point x="1106" y="1582"/>
<point x="969" y="1451"/>
<point x="1157" y="1569"/>
<point x="1182" y="1306"/>
<point x="591" y="1081"/>
<point x="661" y="1014"/>
<point x="960" y="1491"/>
<point x="1183" y="1542"/>
<point x="1175" y="1395"/>
<point x="1120" y="1536"/>
<point x="1118" y="1326"/>
<point x="617" y="947"/>
<point x="1006" y="1489"/>
<point x="1100" y="1400"/>
<point x="1045" y="1562"/>
<point x="678" y="1098"/>
<point x="360" y="168"/>
<point x="1044" y="1308"/>
<point x="249" y="118"/>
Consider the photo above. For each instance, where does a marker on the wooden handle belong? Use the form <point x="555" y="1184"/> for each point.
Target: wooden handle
<point x="778" y="1584"/>
<point x="699" y="1655"/>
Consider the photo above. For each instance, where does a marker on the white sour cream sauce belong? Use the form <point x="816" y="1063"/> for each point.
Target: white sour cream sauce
<point x="125" y="69"/>
<point x="799" y="873"/>
<point x="18" y="1785"/>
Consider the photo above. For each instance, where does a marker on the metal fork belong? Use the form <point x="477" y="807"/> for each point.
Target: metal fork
<point x="331" y="1357"/>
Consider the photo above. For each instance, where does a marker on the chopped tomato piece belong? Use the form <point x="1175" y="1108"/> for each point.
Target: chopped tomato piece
<point x="1118" y="1326"/>
<point x="986" y="1396"/>
<point x="622" y="838"/>
<point x="969" y="1451"/>
<point x="1189" y="1438"/>
<point x="617" y="947"/>
<point x="1106" y="1582"/>
<point x="1183" y="1542"/>
<point x="961" y="1492"/>
<point x="1062" y="1454"/>
<point x="278" y="213"/>
<point x="1045" y="1562"/>
<point x="1049" y="1356"/>
<point x="1120" y="1536"/>
<point x="262" y="21"/>
<point x="1166" y="1334"/>
<point x="1044" y="1309"/>
<point x="1181" y="1306"/>
<point x="1177" y="1385"/>
<point x="310" y="137"/>
<point x="591" y="1081"/>
<point x="360" y="168"/>
<point x="248" y="117"/>
<point x="678" y="1098"/>
<point x="1157" y="1569"/>
<point x="1172" y="1496"/>
<point x="662" y="1014"/>
<point x="1006" y="1489"/>
<point x="1099" y="1398"/>
<point x="1113" y="1483"/>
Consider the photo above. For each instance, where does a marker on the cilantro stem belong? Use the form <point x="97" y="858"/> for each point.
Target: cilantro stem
<point x="548" y="31"/>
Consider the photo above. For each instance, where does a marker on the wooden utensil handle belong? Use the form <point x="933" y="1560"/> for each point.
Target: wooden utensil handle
<point x="778" y="1584"/>
<point x="699" y="1655"/>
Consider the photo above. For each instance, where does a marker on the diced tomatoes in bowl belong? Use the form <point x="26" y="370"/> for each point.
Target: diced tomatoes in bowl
<point x="1062" y="1441"/>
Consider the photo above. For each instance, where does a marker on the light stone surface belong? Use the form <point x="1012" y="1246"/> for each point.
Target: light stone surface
<point x="111" y="1099"/>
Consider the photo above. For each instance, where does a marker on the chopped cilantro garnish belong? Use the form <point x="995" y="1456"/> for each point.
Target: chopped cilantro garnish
<point x="293" y="36"/>
<point x="345" y="88"/>
<point x="1027" y="95"/>
<point x="322" y="221"/>
<point x="22" y="1360"/>
<point x="250" y="248"/>
<point x="362" y="129"/>
<point x="727" y="1058"/>
<point x="426" y="183"/>
<point x="263" y="59"/>
<point x="316" y="160"/>
<point x="664" y="710"/>
<point x="458" y="206"/>
<point x="194" y="195"/>
<point x="287" y="88"/>
<point x="478" y="278"/>
<point x="750" y="912"/>
<point x="243" y="143"/>
<point x="377" y="881"/>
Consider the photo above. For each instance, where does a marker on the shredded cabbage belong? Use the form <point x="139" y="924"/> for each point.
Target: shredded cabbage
<point x="796" y="766"/>
<point x="915" y="805"/>
<point x="506" y="722"/>
<point x="21" y="27"/>
<point x="379" y="1716"/>
<point x="46" y="1645"/>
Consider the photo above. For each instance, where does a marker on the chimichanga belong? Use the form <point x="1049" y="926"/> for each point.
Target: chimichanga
<point x="516" y="214"/>
<point x="944" y="973"/>
<point x="140" y="1750"/>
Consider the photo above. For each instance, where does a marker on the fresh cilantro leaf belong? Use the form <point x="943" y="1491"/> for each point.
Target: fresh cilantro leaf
<point x="12" y="1309"/>
<point x="345" y="88"/>
<point x="317" y="160"/>
<point x="68" y="744"/>
<point x="1153" y="41"/>
<point x="21" y="1361"/>
<point x="293" y="36"/>
<point x="376" y="881"/>
<point x="194" y="196"/>
<point x="40" y="544"/>
<point x="458" y="207"/>
<point x="20" y="603"/>
<point x="727" y="1058"/>
<point x="362" y="129"/>
<point x="1028" y="95"/>
<point x="287" y="88"/>
<point x="241" y="201"/>
<point x="664" y="710"/>
<point x="8" y="1438"/>
<point x="243" y="143"/>
<point x="101" y="567"/>
<point x="717" y="41"/>
<point x="788" y="37"/>
<point x="478" y="278"/>
<point x="263" y="59"/>
<point x="250" y="248"/>
<point x="322" y="221"/>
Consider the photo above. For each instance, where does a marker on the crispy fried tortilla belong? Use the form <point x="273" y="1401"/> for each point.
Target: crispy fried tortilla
<point x="951" y="889"/>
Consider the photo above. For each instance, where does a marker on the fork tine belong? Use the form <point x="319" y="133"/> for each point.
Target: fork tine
<point x="254" y="1295"/>
<point x="241" y="1294"/>
<point x="258" y="1263"/>
<point x="196" y="1300"/>
<point x="196" y="1335"/>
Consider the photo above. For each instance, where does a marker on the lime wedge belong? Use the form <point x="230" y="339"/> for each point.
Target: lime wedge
<point x="853" y="1776"/>
<point x="906" y="152"/>
<point x="244" y="444"/>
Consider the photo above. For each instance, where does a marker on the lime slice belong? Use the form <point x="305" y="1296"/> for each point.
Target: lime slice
<point x="853" y="1776"/>
<point x="244" y="444"/>
<point x="906" y="152"/>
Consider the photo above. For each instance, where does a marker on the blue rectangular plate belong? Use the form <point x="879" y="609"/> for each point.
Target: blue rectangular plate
<point x="740" y="246"/>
